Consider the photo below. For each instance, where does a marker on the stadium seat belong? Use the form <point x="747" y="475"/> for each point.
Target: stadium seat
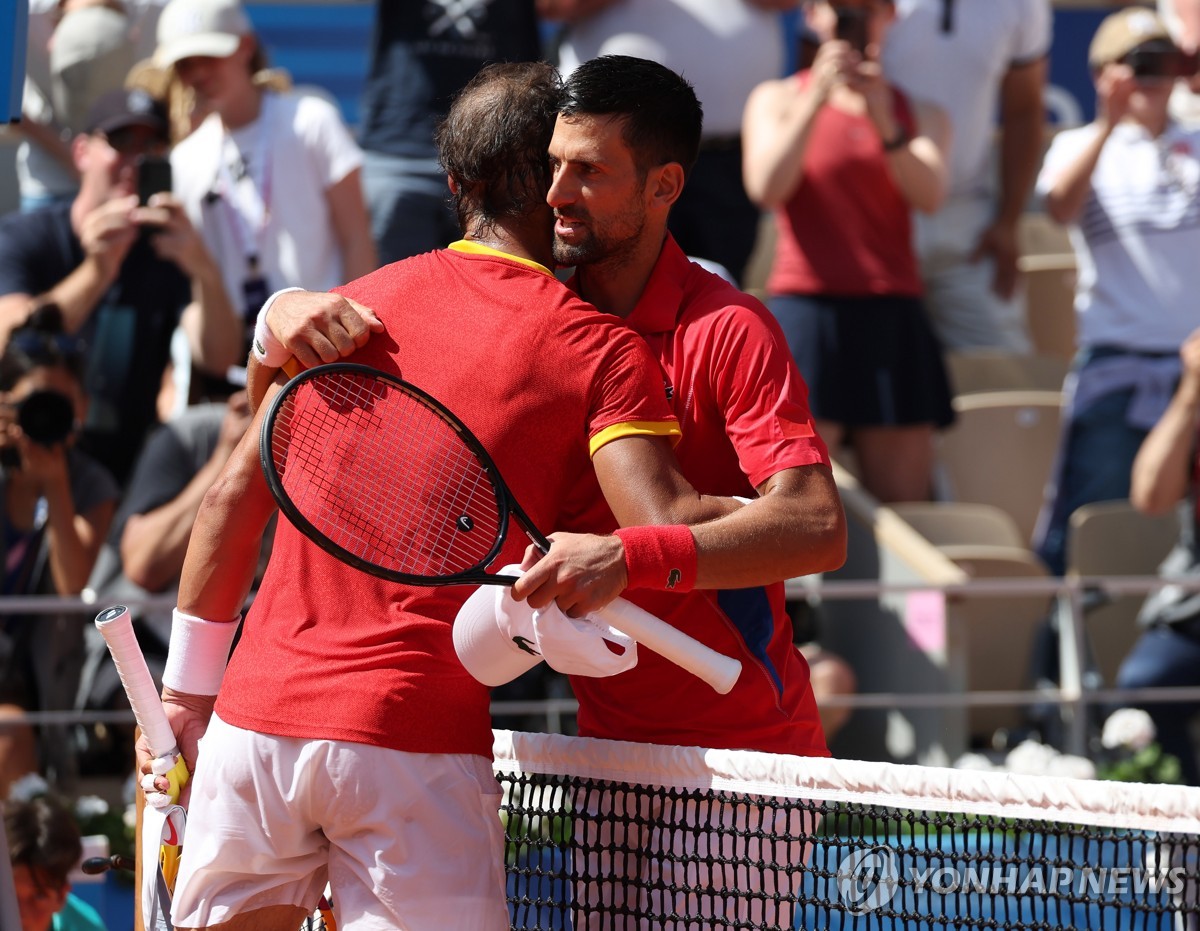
<point x="973" y="371"/>
<point x="1112" y="538"/>
<point x="1049" y="283"/>
<point x="951" y="523"/>
<point x="1000" y="451"/>
<point x="998" y="629"/>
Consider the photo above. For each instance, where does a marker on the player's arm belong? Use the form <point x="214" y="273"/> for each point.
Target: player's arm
<point x="218" y="572"/>
<point x="795" y="527"/>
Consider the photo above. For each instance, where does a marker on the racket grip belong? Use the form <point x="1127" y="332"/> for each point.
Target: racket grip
<point x="717" y="669"/>
<point x="116" y="626"/>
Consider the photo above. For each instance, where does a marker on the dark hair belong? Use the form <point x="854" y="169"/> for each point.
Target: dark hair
<point x="40" y="342"/>
<point x="494" y="140"/>
<point x="43" y="836"/>
<point x="662" y="115"/>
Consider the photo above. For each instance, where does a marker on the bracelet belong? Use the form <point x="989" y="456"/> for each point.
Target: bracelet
<point x="662" y="558"/>
<point x="266" y="347"/>
<point x="897" y="142"/>
<point x="198" y="653"/>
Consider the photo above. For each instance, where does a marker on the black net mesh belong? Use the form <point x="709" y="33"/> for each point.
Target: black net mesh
<point x="597" y="853"/>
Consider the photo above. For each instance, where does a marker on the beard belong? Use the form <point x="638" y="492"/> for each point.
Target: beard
<point x="612" y="242"/>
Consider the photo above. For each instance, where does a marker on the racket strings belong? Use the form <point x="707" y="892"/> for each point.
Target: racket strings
<point x="383" y="476"/>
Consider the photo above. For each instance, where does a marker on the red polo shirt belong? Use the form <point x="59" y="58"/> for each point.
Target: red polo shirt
<point x="743" y="410"/>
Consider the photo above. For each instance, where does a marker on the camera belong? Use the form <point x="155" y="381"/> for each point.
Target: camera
<point x="46" y="417"/>
<point x="852" y="27"/>
<point x="1160" y="60"/>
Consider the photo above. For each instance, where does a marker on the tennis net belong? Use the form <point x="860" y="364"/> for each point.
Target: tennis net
<point x="612" y="835"/>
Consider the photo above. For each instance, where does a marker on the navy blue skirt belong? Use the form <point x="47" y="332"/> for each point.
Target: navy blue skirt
<point x="868" y="361"/>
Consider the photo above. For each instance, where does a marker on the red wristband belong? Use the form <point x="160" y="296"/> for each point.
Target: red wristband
<point x="662" y="558"/>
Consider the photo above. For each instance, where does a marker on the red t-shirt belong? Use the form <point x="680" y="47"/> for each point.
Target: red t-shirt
<point x="743" y="409"/>
<point x="328" y="652"/>
<point x="847" y="229"/>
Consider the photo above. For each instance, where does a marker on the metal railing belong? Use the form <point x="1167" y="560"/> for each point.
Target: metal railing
<point x="1075" y="692"/>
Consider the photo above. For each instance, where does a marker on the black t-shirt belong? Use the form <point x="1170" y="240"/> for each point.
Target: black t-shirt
<point x="128" y="335"/>
<point x="423" y="53"/>
<point x="170" y="459"/>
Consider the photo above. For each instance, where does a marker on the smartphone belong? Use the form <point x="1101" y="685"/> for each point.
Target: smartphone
<point x="852" y="27"/>
<point x="154" y="177"/>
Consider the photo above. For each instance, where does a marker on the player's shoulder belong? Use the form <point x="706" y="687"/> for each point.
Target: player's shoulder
<point x="709" y="299"/>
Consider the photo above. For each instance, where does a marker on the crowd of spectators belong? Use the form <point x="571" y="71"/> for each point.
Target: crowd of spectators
<point x="898" y="161"/>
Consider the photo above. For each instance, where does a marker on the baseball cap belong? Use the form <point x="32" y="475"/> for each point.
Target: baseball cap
<point x="118" y="109"/>
<point x="92" y="53"/>
<point x="498" y="638"/>
<point x="212" y="28"/>
<point x="1122" y="32"/>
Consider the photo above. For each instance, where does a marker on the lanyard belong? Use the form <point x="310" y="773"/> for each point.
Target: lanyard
<point x="248" y="229"/>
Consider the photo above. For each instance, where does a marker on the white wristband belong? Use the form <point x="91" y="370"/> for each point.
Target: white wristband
<point x="741" y="499"/>
<point x="267" y="348"/>
<point x="198" y="653"/>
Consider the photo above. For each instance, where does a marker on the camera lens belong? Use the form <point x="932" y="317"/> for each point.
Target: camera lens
<point x="46" y="417"/>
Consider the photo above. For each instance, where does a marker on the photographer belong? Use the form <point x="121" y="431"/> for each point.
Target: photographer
<point x="124" y="276"/>
<point x="58" y="505"/>
<point x="844" y="158"/>
<point x="1126" y="185"/>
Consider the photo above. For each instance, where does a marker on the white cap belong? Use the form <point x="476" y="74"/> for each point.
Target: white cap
<point x="212" y="28"/>
<point x="498" y="638"/>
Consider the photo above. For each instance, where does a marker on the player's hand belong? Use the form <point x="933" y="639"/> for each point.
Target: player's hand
<point x="318" y="327"/>
<point x="189" y="716"/>
<point x="582" y="573"/>
<point x="107" y="234"/>
<point x="1000" y="242"/>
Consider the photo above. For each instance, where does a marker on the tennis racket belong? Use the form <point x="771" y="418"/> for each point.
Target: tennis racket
<point x="158" y="884"/>
<point x="383" y="477"/>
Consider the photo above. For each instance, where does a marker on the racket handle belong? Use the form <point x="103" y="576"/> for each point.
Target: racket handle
<point x="116" y="626"/>
<point x="717" y="669"/>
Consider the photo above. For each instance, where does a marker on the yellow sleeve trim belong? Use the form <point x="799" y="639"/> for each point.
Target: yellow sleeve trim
<point x="669" y="428"/>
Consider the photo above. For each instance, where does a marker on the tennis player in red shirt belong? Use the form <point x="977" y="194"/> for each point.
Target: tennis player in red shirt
<point x="348" y="744"/>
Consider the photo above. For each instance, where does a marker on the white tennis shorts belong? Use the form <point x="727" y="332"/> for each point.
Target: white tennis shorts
<point x="405" y="839"/>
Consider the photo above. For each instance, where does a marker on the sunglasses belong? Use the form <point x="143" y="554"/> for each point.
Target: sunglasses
<point x="134" y="140"/>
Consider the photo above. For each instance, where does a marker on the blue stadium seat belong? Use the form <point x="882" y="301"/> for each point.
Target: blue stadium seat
<point x="326" y="44"/>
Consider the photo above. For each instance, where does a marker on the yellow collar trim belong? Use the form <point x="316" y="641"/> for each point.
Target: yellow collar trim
<point x="475" y="248"/>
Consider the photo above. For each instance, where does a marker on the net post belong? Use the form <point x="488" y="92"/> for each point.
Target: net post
<point x="14" y="35"/>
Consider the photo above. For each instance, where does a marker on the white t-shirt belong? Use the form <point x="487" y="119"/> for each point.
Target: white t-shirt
<point x="725" y="48"/>
<point x="1137" y="242"/>
<point x="960" y="70"/>
<point x="290" y="156"/>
